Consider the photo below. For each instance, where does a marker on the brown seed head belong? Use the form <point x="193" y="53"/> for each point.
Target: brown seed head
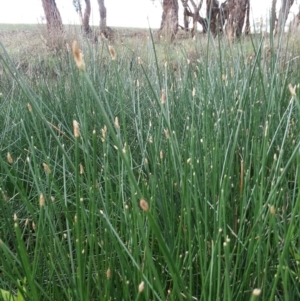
<point x="29" y="107"/>
<point x="292" y="90"/>
<point x="81" y="169"/>
<point x="167" y="134"/>
<point x="163" y="96"/>
<point x="46" y="168"/>
<point x="9" y="158"/>
<point x="78" y="56"/>
<point x="141" y="286"/>
<point x="272" y="210"/>
<point x="76" y="129"/>
<point x="144" y="205"/>
<point x="108" y="273"/>
<point x="112" y="52"/>
<point x="42" y="200"/>
<point x="256" y="292"/>
<point x="117" y="125"/>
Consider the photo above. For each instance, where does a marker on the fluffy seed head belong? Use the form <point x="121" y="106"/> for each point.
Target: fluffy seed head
<point x="76" y="129"/>
<point x="167" y="134"/>
<point x="42" y="200"/>
<point x="272" y="210"/>
<point x="29" y="107"/>
<point x="108" y="273"/>
<point x="112" y="52"/>
<point x="256" y="292"/>
<point x="117" y="125"/>
<point x="9" y="158"/>
<point x="46" y="168"/>
<point x="81" y="169"/>
<point x="144" y="205"/>
<point x="78" y="56"/>
<point x="141" y="286"/>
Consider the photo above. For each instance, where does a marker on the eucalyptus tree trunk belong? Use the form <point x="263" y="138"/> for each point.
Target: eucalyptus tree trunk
<point x="212" y="13"/>
<point x="169" y="20"/>
<point x="240" y="15"/>
<point x="86" y="18"/>
<point x="52" y="15"/>
<point x="238" y="9"/>
<point x="104" y="29"/>
<point x="196" y="16"/>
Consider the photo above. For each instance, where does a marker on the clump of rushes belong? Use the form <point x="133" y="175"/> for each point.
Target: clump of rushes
<point x="78" y="56"/>
<point x="195" y="200"/>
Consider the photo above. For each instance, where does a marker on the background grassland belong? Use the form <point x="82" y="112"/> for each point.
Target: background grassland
<point x="206" y="132"/>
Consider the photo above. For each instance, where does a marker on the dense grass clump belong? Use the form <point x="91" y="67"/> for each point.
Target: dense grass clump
<point x="164" y="172"/>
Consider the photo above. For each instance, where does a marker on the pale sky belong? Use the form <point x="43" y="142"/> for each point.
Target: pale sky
<point x="120" y="13"/>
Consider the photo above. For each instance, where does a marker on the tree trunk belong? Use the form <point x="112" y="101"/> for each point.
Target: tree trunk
<point x="212" y="12"/>
<point x="169" y="20"/>
<point x="53" y="18"/>
<point x="273" y="17"/>
<point x="237" y="12"/>
<point x="240" y="15"/>
<point x="196" y="16"/>
<point x="185" y="14"/>
<point x="283" y="13"/>
<point x="247" y="28"/>
<point x="104" y="29"/>
<point x="86" y="18"/>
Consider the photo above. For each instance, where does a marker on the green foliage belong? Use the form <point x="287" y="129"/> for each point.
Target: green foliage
<point x="182" y="184"/>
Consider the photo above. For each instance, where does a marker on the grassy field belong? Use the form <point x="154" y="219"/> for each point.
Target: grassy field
<point x="156" y="172"/>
